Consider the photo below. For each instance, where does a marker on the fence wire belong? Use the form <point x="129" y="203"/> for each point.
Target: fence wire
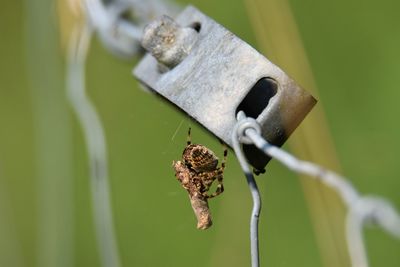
<point x="255" y="214"/>
<point x="96" y="146"/>
<point x="362" y="210"/>
<point x="119" y="24"/>
<point x="122" y="37"/>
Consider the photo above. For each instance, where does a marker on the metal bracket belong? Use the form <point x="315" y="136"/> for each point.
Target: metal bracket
<point x="211" y="74"/>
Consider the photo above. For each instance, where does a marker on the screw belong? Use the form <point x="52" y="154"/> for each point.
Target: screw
<point x="167" y="41"/>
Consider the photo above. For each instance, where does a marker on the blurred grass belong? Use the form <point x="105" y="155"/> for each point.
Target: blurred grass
<point x="279" y="39"/>
<point x="353" y="51"/>
<point x="52" y="138"/>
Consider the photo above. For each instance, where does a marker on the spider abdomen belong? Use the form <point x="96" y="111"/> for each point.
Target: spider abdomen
<point x="200" y="158"/>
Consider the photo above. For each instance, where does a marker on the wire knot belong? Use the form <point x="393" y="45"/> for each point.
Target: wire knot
<point x="244" y="124"/>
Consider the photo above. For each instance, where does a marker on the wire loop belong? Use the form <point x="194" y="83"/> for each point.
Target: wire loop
<point x="245" y="124"/>
<point x="120" y="34"/>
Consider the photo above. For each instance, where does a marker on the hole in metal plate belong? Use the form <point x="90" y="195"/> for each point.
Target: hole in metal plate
<point x="258" y="97"/>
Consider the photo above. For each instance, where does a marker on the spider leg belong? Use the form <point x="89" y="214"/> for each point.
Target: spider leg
<point x="223" y="162"/>
<point x="220" y="187"/>
<point x="189" y="137"/>
<point x="219" y="174"/>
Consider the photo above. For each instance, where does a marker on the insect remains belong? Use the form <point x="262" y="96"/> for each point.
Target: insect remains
<point x="196" y="172"/>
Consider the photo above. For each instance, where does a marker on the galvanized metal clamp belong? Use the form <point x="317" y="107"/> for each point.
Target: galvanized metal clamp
<point x="211" y="74"/>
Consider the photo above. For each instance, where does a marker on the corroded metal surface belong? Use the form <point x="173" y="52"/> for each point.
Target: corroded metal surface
<point x="213" y="74"/>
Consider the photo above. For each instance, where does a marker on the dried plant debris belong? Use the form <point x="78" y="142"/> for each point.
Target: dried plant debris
<point x="196" y="172"/>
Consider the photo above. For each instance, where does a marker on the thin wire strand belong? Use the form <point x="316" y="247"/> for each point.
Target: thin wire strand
<point x="355" y="240"/>
<point x="122" y="35"/>
<point x="255" y="214"/>
<point x="104" y="20"/>
<point x="362" y="209"/>
<point x="96" y="146"/>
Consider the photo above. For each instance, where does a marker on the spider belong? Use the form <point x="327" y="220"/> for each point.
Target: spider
<point x="196" y="172"/>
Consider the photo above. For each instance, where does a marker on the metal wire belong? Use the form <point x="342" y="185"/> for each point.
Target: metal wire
<point x="255" y="214"/>
<point x="119" y="34"/>
<point x="122" y="37"/>
<point x="96" y="146"/>
<point x="361" y="209"/>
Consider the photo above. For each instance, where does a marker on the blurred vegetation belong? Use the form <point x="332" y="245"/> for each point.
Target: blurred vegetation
<point x="353" y="50"/>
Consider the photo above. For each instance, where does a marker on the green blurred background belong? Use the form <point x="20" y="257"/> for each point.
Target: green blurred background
<point x="353" y="48"/>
